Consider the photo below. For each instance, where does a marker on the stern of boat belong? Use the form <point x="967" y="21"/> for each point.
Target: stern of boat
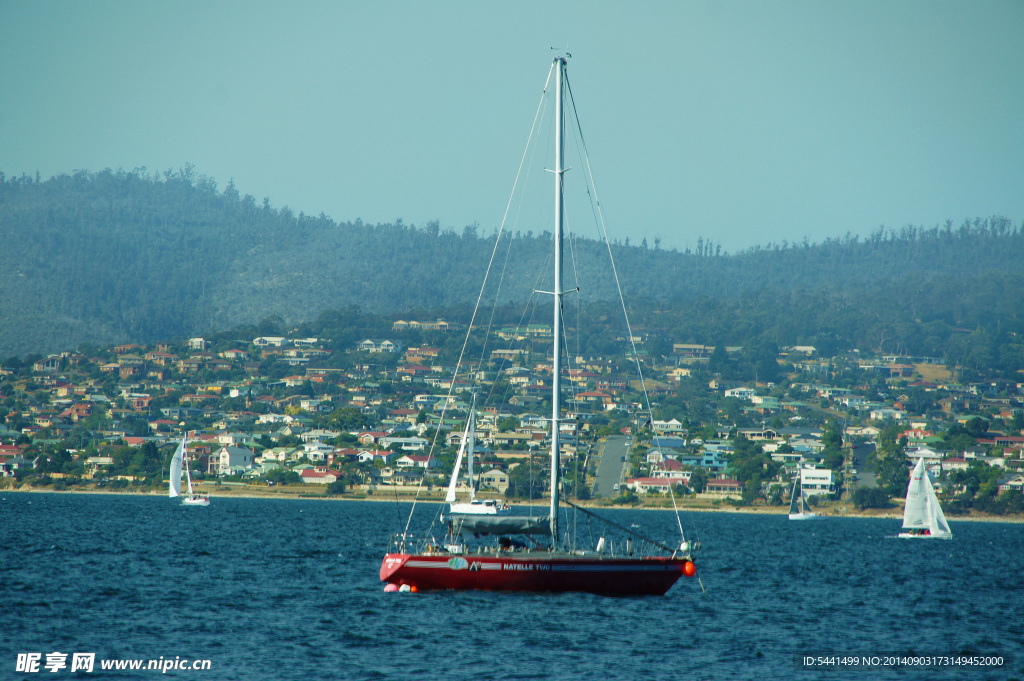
<point x="391" y="564"/>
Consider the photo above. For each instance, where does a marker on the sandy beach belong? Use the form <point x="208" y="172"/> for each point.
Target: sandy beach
<point x="839" y="509"/>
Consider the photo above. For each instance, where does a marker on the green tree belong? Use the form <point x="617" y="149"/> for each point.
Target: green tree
<point x="526" y="481"/>
<point x="871" y="497"/>
<point x="508" y="424"/>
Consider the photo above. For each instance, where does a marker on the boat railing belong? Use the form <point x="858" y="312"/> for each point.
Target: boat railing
<point x="408" y="543"/>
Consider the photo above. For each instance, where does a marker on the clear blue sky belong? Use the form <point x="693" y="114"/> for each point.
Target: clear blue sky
<point x="746" y="122"/>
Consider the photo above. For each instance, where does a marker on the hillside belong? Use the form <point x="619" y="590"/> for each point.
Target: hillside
<point x="115" y="256"/>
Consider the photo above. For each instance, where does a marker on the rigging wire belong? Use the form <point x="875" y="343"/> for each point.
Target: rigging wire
<point x="599" y="214"/>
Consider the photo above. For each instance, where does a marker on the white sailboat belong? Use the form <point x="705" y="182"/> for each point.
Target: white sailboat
<point x="798" y="508"/>
<point x="922" y="514"/>
<point x="179" y="462"/>
<point x="474" y="506"/>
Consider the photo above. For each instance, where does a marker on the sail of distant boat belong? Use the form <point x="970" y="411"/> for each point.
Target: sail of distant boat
<point x="174" y="481"/>
<point x="922" y="513"/>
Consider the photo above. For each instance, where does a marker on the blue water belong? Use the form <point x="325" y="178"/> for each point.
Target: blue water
<point x="289" y="589"/>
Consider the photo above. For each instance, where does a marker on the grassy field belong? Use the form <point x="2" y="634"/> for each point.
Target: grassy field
<point x="933" y="373"/>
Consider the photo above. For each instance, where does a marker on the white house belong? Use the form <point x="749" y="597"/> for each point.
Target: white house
<point x="312" y="476"/>
<point x="374" y="346"/>
<point x="671" y="427"/>
<point x="410" y="444"/>
<point x="954" y="463"/>
<point x="817" y="481"/>
<point x="647" y="485"/>
<point x="740" y="393"/>
<point x="276" y="454"/>
<point x="270" y="342"/>
<point x="275" y="418"/>
<point x="369" y="455"/>
<point x="226" y="458"/>
<point x="316" y="450"/>
<point x="930" y="456"/>
<point x="417" y="461"/>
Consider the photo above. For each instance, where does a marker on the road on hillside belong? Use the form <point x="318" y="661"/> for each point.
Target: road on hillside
<point x="859" y="456"/>
<point x="610" y="469"/>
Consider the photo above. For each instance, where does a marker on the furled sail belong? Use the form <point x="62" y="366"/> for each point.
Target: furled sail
<point x="499" y="524"/>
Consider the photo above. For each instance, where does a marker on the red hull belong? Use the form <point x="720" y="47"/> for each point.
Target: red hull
<point x="537" y="572"/>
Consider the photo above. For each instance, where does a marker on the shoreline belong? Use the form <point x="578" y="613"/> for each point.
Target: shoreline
<point x="828" y="512"/>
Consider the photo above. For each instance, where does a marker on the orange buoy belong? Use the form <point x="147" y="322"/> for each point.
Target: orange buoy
<point x="414" y="589"/>
<point x="689" y="569"/>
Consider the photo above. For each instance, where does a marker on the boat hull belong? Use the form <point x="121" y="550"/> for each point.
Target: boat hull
<point x="905" y="535"/>
<point x="553" y="573"/>
<point x="195" y="501"/>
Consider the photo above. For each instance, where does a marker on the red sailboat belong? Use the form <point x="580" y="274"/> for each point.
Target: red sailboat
<point x="529" y="553"/>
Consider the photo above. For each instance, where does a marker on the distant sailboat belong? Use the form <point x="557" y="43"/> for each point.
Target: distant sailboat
<point x="474" y="506"/>
<point x="922" y="514"/>
<point x="178" y="462"/>
<point x="798" y="508"/>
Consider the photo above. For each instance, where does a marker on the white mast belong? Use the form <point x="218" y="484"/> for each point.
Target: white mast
<point x="557" y="327"/>
<point x="471" y="434"/>
<point x="188" y="475"/>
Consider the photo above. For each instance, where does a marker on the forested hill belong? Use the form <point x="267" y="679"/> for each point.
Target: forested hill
<point x="121" y="256"/>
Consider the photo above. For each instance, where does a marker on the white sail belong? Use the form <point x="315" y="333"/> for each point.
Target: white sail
<point x="181" y="461"/>
<point x="174" y="483"/>
<point x="937" y="521"/>
<point x="794" y="498"/>
<point x="474" y="506"/>
<point x="450" y="497"/>
<point x="922" y="510"/>
<point x="798" y="508"/>
<point x="915" y="511"/>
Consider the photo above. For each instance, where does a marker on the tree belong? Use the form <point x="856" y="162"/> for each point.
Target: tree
<point x="526" y="481"/>
<point x="870" y="497"/>
<point x="832" y="435"/>
<point x="508" y="424"/>
<point x="719" y="360"/>
<point x="976" y="427"/>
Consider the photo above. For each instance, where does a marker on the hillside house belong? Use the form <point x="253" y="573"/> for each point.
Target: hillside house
<point x="316" y="476"/>
<point x="429" y="463"/>
<point x="494" y="479"/>
<point x="227" y="458"/>
<point x="724" y="487"/>
<point x="816" y="481"/>
<point x="376" y="346"/>
<point x="650" y="485"/>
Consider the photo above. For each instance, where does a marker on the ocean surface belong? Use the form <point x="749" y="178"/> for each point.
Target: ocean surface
<point x="289" y="589"/>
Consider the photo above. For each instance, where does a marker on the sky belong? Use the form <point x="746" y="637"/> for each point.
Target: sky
<point x="744" y="122"/>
